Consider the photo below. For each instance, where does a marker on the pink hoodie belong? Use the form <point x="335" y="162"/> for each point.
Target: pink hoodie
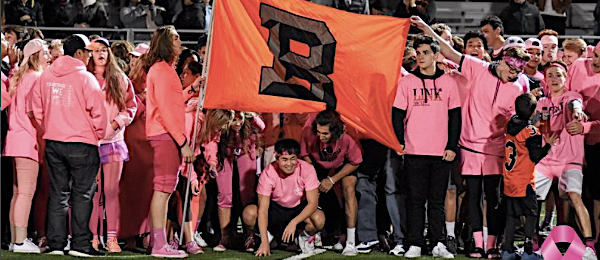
<point x="585" y="81"/>
<point x="21" y="139"/>
<point x="5" y="95"/>
<point x="113" y="114"/>
<point x="68" y="104"/>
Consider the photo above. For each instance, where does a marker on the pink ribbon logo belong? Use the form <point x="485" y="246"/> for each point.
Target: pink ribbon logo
<point x="562" y="234"/>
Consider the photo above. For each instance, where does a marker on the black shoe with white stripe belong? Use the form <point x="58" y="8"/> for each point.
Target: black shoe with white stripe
<point x="367" y="247"/>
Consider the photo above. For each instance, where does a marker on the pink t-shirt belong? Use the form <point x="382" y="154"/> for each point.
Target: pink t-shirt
<point x="21" y="139"/>
<point x="426" y="103"/>
<point x="291" y="190"/>
<point x="489" y="106"/>
<point x="568" y="149"/>
<point x="331" y="155"/>
<point x="583" y="80"/>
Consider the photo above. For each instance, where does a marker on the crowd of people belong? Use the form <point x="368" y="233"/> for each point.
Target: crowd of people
<point x="109" y="148"/>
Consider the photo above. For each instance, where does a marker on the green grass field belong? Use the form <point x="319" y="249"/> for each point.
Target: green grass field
<point x="209" y="254"/>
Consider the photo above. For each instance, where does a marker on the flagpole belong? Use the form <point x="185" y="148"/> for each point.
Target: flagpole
<point x="205" y="64"/>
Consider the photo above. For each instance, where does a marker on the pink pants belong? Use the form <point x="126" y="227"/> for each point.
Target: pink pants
<point x="167" y="160"/>
<point x="246" y="167"/>
<point x="112" y="176"/>
<point x="23" y="190"/>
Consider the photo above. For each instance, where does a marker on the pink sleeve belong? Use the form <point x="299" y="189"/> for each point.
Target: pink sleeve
<point x="124" y="118"/>
<point x="305" y="141"/>
<point x="210" y="152"/>
<point x="94" y="102"/>
<point x="259" y="123"/>
<point x="5" y="97"/>
<point x="471" y="66"/>
<point x="265" y="184"/>
<point x="592" y="127"/>
<point x="309" y="177"/>
<point x="354" y="155"/>
<point x="188" y="93"/>
<point x="400" y="101"/>
<point x="162" y="88"/>
<point x="35" y="102"/>
<point x="454" y="100"/>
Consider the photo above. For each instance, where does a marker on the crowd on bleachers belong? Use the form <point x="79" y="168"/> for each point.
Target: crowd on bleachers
<point x="105" y="140"/>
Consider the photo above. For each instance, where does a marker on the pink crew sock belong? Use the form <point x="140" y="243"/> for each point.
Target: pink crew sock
<point x="478" y="237"/>
<point x="159" y="237"/>
<point x="491" y="242"/>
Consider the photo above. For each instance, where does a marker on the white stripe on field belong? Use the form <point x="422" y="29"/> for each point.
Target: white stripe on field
<point x="304" y="256"/>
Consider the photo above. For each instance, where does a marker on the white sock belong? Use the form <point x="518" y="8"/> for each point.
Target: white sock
<point x="450" y="229"/>
<point x="350" y="240"/>
<point x="485" y="237"/>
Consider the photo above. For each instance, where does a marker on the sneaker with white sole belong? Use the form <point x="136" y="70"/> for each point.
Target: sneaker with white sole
<point x="440" y="250"/>
<point x="90" y="253"/>
<point x="350" y="250"/>
<point x="199" y="240"/>
<point x="589" y="254"/>
<point x="68" y="247"/>
<point x="367" y="247"/>
<point x="306" y="243"/>
<point x="11" y="246"/>
<point x="168" y="252"/>
<point x="55" y="252"/>
<point x="27" y="247"/>
<point x="413" y="252"/>
<point x="338" y="246"/>
<point x="398" y="250"/>
<point x="318" y="241"/>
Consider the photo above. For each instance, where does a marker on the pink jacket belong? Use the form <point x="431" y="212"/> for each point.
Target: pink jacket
<point x="585" y="81"/>
<point x="21" y="139"/>
<point x="5" y="96"/>
<point x="123" y="118"/>
<point x="68" y="104"/>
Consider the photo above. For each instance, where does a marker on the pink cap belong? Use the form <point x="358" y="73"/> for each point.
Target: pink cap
<point x="549" y="39"/>
<point x="533" y="43"/>
<point x="140" y="49"/>
<point x="513" y="42"/>
<point x="33" y="47"/>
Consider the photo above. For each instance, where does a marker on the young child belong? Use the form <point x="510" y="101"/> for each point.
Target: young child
<point x="523" y="149"/>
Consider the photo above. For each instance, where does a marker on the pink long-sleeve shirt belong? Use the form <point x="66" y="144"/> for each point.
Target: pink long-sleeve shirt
<point x="123" y="118"/>
<point x="585" y="81"/>
<point x="5" y="96"/>
<point x="68" y="104"/>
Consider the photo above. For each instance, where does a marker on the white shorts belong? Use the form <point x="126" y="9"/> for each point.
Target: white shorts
<point x="569" y="180"/>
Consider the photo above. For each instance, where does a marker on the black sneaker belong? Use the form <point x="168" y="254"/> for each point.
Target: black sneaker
<point x="451" y="244"/>
<point x="528" y="247"/>
<point x="89" y="253"/>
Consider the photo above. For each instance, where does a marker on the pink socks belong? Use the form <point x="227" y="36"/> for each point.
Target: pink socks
<point x="159" y="237"/>
<point x="478" y="237"/>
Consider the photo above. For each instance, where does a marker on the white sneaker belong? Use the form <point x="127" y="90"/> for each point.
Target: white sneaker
<point x="318" y="241"/>
<point x="305" y="246"/>
<point x="11" y="246"/>
<point x="589" y="254"/>
<point x="27" y="247"/>
<point x="56" y="252"/>
<point x="270" y="237"/>
<point x="413" y="252"/>
<point x="398" y="250"/>
<point x="199" y="241"/>
<point x="68" y="247"/>
<point x="367" y="247"/>
<point x="441" y="251"/>
<point x="338" y="247"/>
<point x="350" y="250"/>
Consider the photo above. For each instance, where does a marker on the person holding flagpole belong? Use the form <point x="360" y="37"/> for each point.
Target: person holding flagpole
<point x="165" y="129"/>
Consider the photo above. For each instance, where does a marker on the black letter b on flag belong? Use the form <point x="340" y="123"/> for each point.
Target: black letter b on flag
<point x="292" y="67"/>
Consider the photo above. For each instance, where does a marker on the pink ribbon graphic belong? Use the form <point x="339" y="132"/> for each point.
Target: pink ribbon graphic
<point x="562" y="234"/>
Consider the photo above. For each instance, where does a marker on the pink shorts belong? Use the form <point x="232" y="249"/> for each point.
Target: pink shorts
<point x="167" y="160"/>
<point x="480" y="164"/>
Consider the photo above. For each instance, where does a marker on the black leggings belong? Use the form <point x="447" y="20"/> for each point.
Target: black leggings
<point x="490" y="186"/>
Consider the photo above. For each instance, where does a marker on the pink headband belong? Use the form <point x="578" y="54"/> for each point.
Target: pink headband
<point x="556" y="64"/>
<point x="515" y="62"/>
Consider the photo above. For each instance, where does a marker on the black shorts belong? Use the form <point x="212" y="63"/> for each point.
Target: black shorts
<point x="592" y="170"/>
<point x="522" y="206"/>
<point x="322" y="173"/>
<point x="280" y="217"/>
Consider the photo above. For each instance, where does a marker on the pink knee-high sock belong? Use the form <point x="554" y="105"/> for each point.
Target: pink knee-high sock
<point x="478" y="237"/>
<point x="159" y="237"/>
<point x="491" y="242"/>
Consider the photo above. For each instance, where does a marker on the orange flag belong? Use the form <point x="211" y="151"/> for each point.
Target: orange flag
<point x="293" y="56"/>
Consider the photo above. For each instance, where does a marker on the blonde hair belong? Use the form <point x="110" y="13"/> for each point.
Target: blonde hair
<point x="55" y="44"/>
<point x="575" y="45"/>
<point x="33" y="63"/>
<point x="114" y="80"/>
<point x="213" y="121"/>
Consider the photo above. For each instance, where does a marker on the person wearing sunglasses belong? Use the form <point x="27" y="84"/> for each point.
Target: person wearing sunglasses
<point x="336" y="157"/>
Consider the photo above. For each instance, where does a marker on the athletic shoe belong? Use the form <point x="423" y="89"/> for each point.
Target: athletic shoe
<point x="68" y="247"/>
<point x="509" y="256"/>
<point x="367" y="247"/>
<point x="318" y="241"/>
<point x="56" y="252"/>
<point x="441" y="251"/>
<point x="193" y="248"/>
<point x="589" y="254"/>
<point x="306" y="243"/>
<point x="11" y="247"/>
<point x="168" y="252"/>
<point x="220" y="248"/>
<point x="413" y="252"/>
<point x="250" y="244"/>
<point x="113" y="245"/>
<point x="199" y="240"/>
<point x="452" y="244"/>
<point x="398" y="250"/>
<point x="81" y="253"/>
<point x="27" y="246"/>
<point x="338" y="246"/>
<point x="350" y="250"/>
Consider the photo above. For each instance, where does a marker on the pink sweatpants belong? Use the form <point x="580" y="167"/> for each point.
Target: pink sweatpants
<point x="246" y="167"/>
<point x="112" y="176"/>
<point x="23" y="190"/>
